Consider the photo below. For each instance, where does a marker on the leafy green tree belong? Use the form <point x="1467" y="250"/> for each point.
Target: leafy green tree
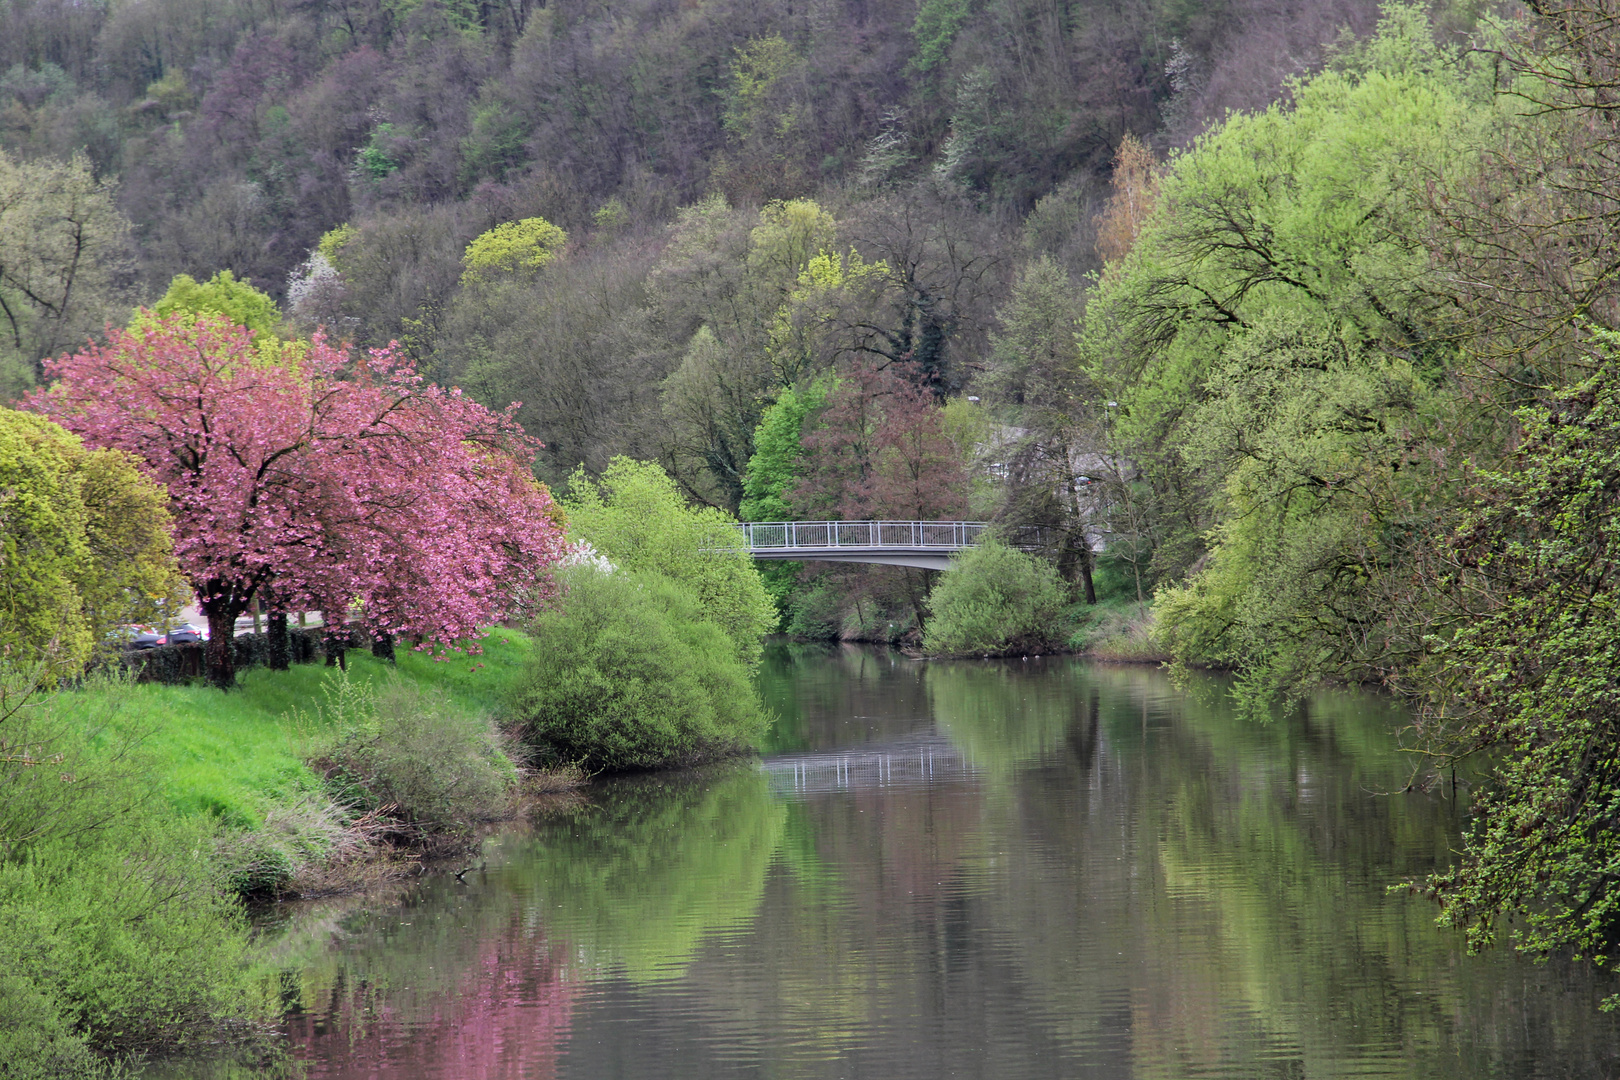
<point x="935" y="29"/>
<point x="1321" y="495"/>
<point x="515" y="247"/>
<point x="85" y="544"/>
<point x="629" y="673"/>
<point x="63" y="257"/>
<point x="636" y="516"/>
<point x="995" y="600"/>
<point x="1279" y="367"/>
<point x="1528" y="685"/>
<point x="224" y="295"/>
<point x="775" y="469"/>
<point x="732" y="299"/>
<point x="777" y="465"/>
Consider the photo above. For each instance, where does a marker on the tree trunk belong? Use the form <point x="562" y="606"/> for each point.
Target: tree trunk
<point x="1086" y="559"/>
<point x="919" y="596"/>
<point x="382" y="646"/>
<point x="219" y="655"/>
<point x="277" y="652"/>
<point x="1075" y="560"/>
<point x="1076" y="542"/>
<point x="335" y="640"/>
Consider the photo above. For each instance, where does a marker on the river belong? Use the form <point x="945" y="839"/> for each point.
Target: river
<point x="1000" y="869"/>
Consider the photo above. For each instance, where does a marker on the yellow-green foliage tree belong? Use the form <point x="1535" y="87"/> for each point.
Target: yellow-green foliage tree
<point x="84" y="545"/>
<point x="1286" y="383"/>
<point x="635" y="515"/>
<point x="224" y="295"/>
<point x="241" y="303"/>
<point x="516" y="247"/>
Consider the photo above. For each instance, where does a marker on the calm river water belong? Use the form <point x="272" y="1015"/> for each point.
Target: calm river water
<point x="1039" y="868"/>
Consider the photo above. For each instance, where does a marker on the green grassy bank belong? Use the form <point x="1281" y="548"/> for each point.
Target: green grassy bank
<point x="134" y="816"/>
<point x="237" y="755"/>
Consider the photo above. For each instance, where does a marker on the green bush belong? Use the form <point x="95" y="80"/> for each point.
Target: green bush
<point x="816" y="613"/>
<point x="130" y="936"/>
<point x="437" y="769"/>
<point x="636" y="516"/>
<point x="36" y="1042"/>
<point x="995" y="600"/>
<point x="629" y="674"/>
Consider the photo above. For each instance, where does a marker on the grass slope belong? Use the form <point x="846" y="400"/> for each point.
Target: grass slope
<point x="235" y="754"/>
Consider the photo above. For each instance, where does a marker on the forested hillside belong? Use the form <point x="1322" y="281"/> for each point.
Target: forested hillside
<point x="953" y="139"/>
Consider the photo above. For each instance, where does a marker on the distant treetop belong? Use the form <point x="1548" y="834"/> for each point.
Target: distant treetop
<point x="512" y="248"/>
<point x="224" y="295"/>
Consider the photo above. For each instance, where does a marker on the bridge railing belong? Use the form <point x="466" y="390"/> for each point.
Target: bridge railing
<point x="823" y="535"/>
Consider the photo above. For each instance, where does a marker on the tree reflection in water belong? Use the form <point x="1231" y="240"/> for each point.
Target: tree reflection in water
<point x="503" y="1012"/>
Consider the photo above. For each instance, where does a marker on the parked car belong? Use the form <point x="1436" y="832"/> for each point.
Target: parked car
<point x="147" y="637"/>
<point x="141" y="637"/>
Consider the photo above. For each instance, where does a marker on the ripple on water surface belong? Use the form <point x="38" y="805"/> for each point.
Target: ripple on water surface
<point x="1001" y="869"/>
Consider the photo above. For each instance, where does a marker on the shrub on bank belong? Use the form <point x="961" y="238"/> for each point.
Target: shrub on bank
<point x="636" y="516"/>
<point x="406" y="753"/>
<point x="629" y="674"/>
<point x="995" y="600"/>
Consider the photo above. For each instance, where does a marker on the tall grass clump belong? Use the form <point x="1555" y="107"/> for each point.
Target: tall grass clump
<point x="407" y="755"/>
<point x="993" y="601"/>
<point x="629" y="674"/>
<point x="117" y="936"/>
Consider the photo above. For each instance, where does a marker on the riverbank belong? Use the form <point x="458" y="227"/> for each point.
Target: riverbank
<point x="237" y="756"/>
<point x="145" y="813"/>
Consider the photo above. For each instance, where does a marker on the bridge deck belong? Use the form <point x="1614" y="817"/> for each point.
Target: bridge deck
<point x="927" y="544"/>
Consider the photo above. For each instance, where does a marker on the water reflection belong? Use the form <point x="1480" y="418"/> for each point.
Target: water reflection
<point x="636" y="881"/>
<point x="441" y="984"/>
<point x="1122" y="880"/>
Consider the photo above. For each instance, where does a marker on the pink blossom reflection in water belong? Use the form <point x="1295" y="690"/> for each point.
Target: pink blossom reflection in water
<point x="506" y="1016"/>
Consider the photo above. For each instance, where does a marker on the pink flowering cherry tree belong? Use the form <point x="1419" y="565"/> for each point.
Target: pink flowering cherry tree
<point x="319" y="477"/>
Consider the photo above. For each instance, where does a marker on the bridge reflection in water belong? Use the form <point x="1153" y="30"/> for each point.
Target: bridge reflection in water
<point x="917" y="761"/>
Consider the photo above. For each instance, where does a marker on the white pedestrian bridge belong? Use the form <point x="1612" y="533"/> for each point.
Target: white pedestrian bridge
<point x="925" y="544"/>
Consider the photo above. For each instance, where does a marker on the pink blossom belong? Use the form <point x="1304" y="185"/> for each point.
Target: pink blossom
<point x="319" y="478"/>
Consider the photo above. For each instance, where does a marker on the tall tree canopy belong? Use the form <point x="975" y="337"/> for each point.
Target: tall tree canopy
<point x="1285" y="378"/>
